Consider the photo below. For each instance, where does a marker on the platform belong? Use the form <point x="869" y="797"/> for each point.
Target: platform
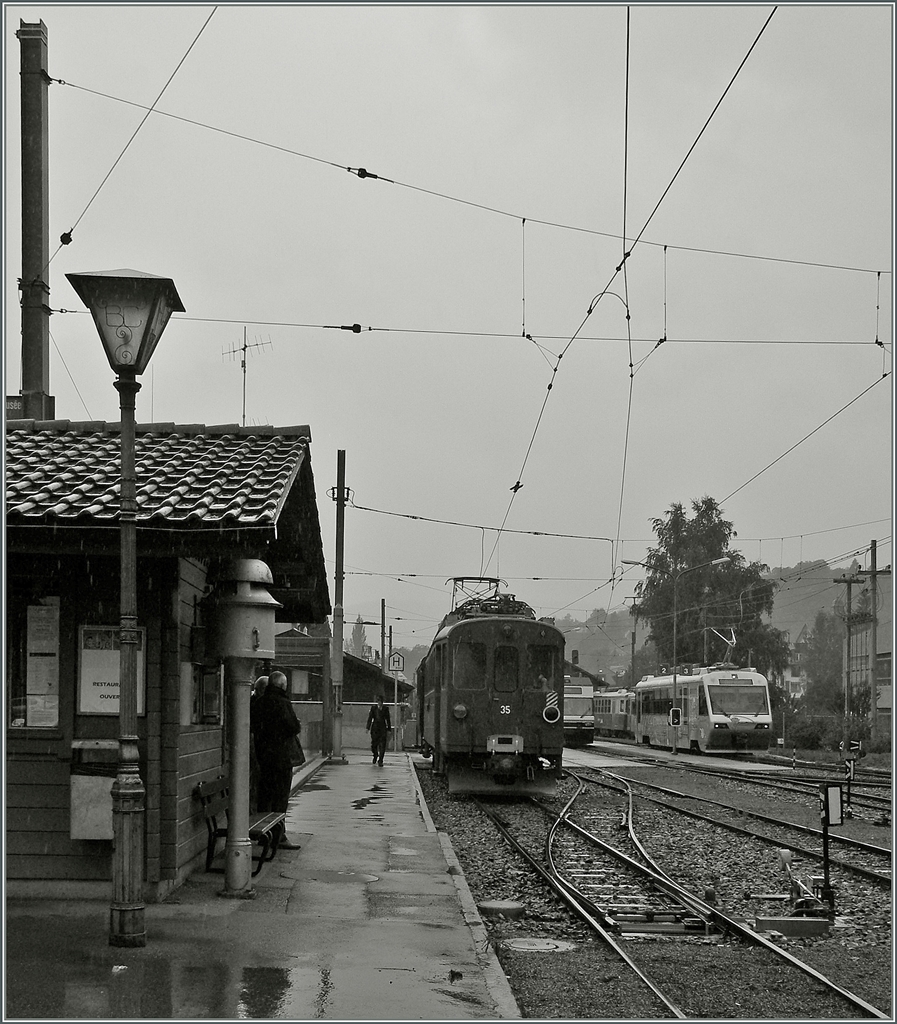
<point x="369" y="920"/>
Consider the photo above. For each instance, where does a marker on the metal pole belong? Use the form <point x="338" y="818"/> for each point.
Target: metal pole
<point x="846" y="730"/>
<point x="632" y="652"/>
<point x="35" y="291"/>
<point x="337" y="652"/>
<point x="238" y="847"/>
<point x="126" y="917"/>
<point x="873" y="645"/>
<point x="395" y="700"/>
<point x="383" y="636"/>
<point x="828" y="894"/>
<point x="675" y="616"/>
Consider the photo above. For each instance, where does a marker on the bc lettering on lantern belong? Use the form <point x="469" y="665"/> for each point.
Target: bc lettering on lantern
<point x="99" y="678"/>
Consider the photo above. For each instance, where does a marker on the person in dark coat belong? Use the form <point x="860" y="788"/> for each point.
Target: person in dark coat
<point x="378" y="726"/>
<point x="274" y="724"/>
<point x="258" y="688"/>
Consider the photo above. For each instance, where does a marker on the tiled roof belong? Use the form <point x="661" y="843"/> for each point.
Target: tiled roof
<point x="188" y="476"/>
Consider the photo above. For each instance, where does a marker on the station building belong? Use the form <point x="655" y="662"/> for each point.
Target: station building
<point x="206" y="496"/>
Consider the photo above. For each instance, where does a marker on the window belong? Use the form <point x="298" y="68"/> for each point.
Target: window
<point x="541" y="667"/>
<point x="470" y="666"/>
<point x="506" y="671"/>
<point x="739" y="700"/>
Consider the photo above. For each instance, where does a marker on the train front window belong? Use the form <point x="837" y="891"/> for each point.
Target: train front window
<point x="579" y="706"/>
<point x="738" y="700"/>
<point x="470" y="666"/>
<point x="507" y="669"/>
<point x="541" y="662"/>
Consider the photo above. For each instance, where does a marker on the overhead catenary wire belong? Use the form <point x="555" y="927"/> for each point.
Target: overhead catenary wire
<point x="628" y="340"/>
<point x="625" y="300"/>
<point x="801" y="441"/>
<point x="499" y="335"/>
<point x="544" y="222"/>
<point x="66" y="237"/>
<point x="626" y="255"/>
<point x="589" y="537"/>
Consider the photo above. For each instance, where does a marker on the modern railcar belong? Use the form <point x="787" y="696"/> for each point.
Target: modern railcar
<point x="614" y="713"/>
<point x="579" y="713"/>
<point x="491" y="697"/>
<point x="721" y="708"/>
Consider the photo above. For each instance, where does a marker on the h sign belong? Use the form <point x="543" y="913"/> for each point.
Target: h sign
<point x="396" y="662"/>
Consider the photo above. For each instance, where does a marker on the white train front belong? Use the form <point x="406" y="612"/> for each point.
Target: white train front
<point x="721" y="708"/>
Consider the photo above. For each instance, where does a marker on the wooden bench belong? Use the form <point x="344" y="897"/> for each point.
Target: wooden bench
<point x="263" y="828"/>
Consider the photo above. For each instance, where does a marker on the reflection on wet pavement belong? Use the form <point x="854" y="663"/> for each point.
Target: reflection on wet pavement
<point x="160" y="989"/>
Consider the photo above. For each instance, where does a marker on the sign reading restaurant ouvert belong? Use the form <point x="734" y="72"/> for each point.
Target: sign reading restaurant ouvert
<point x="99" y="677"/>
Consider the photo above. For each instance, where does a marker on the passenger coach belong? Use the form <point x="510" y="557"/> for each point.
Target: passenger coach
<point x="719" y="708"/>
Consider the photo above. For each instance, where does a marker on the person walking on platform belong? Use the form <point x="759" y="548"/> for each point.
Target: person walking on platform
<point x="274" y="724"/>
<point x="378" y="726"/>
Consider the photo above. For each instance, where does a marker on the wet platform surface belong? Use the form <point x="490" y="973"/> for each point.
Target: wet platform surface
<point x="369" y="920"/>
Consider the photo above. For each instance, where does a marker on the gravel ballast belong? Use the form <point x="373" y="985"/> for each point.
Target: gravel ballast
<point x="589" y="982"/>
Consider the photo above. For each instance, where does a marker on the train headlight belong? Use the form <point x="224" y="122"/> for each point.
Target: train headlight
<point x="551" y="714"/>
<point x="459" y="711"/>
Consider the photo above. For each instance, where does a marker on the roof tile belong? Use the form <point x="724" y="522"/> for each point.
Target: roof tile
<point x="187" y="476"/>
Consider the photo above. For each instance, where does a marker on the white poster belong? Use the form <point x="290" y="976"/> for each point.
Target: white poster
<point x="100" y="676"/>
<point x="42" y="670"/>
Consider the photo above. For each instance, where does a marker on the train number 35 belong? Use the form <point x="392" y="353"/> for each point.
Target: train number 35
<point x="505" y="709"/>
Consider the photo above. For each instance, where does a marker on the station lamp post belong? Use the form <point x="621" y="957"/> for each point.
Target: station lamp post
<point x="130" y="310"/>
<point x="675" y="577"/>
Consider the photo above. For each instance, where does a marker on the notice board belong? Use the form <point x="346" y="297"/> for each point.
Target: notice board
<point x="99" y="679"/>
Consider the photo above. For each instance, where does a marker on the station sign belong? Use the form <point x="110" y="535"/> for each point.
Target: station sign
<point x="396" y="662"/>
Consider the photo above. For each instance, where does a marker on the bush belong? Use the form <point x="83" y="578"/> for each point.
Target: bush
<point x="807" y="733"/>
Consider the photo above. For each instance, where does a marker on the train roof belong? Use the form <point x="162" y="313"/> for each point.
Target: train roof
<point x="683" y="674"/>
<point x="489" y="606"/>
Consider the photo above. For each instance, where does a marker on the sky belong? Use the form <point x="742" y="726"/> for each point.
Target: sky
<point x="513" y="368"/>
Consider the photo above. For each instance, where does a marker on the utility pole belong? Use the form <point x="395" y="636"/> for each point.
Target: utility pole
<point x="36" y="401"/>
<point x="873" y="646"/>
<point x="634" y="613"/>
<point x="395" y="698"/>
<point x="849" y="581"/>
<point x="336" y="654"/>
<point x="872" y="574"/>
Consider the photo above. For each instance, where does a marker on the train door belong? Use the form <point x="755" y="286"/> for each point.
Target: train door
<point x="691" y="714"/>
<point x="637" y="727"/>
<point x="505" y="678"/>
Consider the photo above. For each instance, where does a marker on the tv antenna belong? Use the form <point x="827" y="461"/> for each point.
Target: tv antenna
<point x="231" y="352"/>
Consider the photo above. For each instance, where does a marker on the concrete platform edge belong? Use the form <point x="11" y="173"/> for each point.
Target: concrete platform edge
<point x="506" y="1007"/>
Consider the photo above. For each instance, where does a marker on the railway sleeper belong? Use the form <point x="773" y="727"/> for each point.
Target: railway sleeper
<point x="665" y="924"/>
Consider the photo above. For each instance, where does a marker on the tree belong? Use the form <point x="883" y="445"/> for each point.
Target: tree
<point x="824" y="663"/>
<point x="715" y="604"/>
<point x="359" y="638"/>
<point x="645" y="665"/>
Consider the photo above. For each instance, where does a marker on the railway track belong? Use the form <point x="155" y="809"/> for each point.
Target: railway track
<point x="860" y="797"/>
<point x="679" y="944"/>
<point x="604" y="873"/>
<point x="870" y="861"/>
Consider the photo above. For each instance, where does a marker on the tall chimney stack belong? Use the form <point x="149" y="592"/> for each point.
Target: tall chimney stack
<point x="37" y="403"/>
